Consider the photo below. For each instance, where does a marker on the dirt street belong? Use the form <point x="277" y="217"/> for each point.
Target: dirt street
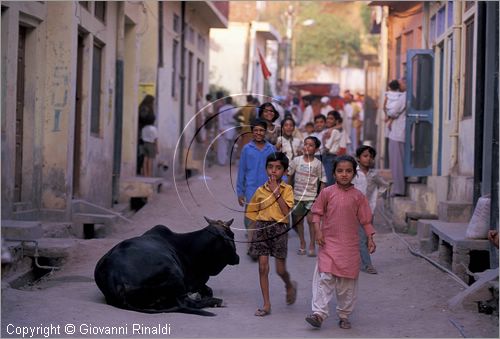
<point x="408" y="298"/>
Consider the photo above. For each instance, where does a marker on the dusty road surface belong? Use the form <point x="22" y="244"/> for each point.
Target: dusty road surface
<point x="408" y="298"/>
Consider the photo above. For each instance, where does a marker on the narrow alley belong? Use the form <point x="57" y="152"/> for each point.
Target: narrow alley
<point x="408" y="298"/>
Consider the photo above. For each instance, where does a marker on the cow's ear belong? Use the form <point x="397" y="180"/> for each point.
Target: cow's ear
<point x="210" y="221"/>
<point x="228" y="223"/>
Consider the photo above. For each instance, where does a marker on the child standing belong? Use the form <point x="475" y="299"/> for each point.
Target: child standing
<point x="269" y="114"/>
<point x="307" y="174"/>
<point x="268" y="210"/>
<point x="252" y="166"/>
<point x="337" y="213"/>
<point x="370" y="183"/>
<point x="286" y="142"/>
<point x="149" y="135"/>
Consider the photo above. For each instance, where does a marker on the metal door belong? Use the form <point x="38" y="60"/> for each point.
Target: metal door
<point x="419" y="112"/>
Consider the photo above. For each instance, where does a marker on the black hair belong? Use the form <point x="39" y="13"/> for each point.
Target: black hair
<point x="394" y="85"/>
<point x="249" y="98"/>
<point x="278" y="156"/>
<point x="335" y="114"/>
<point x="228" y="100"/>
<point x="314" y="139"/>
<point x="321" y="116"/>
<point x="347" y="158"/>
<point x="363" y="148"/>
<point x="287" y="117"/>
<point x="208" y="97"/>
<point x="310" y="124"/>
<point x="258" y="122"/>
<point x="149" y="119"/>
<point x="265" y="106"/>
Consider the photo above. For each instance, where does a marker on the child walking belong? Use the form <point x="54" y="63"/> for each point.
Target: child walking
<point x="307" y="174"/>
<point x="286" y="142"/>
<point x="268" y="210"/>
<point x="252" y="166"/>
<point x="337" y="213"/>
<point x="149" y="136"/>
<point x="370" y="183"/>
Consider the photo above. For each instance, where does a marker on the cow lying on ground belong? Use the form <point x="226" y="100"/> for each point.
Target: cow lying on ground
<point x="163" y="271"/>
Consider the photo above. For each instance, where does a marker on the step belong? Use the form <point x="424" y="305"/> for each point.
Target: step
<point x="454" y="211"/>
<point x="456" y="251"/>
<point x="413" y="217"/>
<point x="400" y="206"/>
<point x="21" y="230"/>
<point x="424" y="235"/>
<point x="139" y="187"/>
<point x="94" y="218"/>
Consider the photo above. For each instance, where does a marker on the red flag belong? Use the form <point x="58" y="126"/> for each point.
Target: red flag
<point x="265" y="71"/>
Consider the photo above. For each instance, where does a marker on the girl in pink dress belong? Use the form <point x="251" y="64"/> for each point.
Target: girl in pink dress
<point x="337" y="213"/>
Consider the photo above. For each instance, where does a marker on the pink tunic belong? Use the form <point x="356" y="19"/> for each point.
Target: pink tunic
<point x="340" y="213"/>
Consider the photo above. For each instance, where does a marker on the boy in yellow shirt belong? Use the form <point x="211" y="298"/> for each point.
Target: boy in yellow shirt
<point x="269" y="211"/>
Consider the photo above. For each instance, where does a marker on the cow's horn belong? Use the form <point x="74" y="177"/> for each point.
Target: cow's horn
<point x="210" y="221"/>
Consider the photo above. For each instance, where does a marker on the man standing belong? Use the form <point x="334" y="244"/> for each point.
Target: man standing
<point x="225" y="139"/>
<point x="395" y="108"/>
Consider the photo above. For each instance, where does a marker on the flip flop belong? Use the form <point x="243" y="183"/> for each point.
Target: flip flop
<point x="370" y="269"/>
<point x="311" y="253"/>
<point x="262" y="312"/>
<point x="292" y="296"/>
<point x="301" y="251"/>
<point x="345" y="324"/>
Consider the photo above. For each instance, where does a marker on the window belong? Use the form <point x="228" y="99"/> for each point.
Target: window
<point x="450" y="76"/>
<point x="200" y="73"/>
<point x="201" y="44"/>
<point x="440" y="21"/>
<point x="450" y="14"/>
<point x="191" y="35"/>
<point x="176" y="23"/>
<point x="422" y="66"/>
<point x="469" y="58"/>
<point x="85" y="4"/>
<point x="468" y="5"/>
<point x="95" y="118"/>
<point x="175" y="52"/>
<point x="432" y="29"/>
<point x="100" y="10"/>
<point x="409" y="40"/>
<point x="190" y="79"/>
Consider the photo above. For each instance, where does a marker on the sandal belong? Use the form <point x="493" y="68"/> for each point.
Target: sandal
<point x="291" y="295"/>
<point x="314" y="320"/>
<point x="345" y="324"/>
<point x="311" y="253"/>
<point x="262" y="312"/>
<point x="370" y="269"/>
<point x="301" y="251"/>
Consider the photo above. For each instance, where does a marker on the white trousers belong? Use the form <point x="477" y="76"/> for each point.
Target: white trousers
<point x="325" y="285"/>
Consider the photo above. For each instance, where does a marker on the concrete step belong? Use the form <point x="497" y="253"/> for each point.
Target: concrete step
<point x="454" y="211"/>
<point x="57" y="230"/>
<point x="21" y="230"/>
<point x="400" y="206"/>
<point x="139" y="187"/>
<point x="424" y="235"/>
<point x="94" y="218"/>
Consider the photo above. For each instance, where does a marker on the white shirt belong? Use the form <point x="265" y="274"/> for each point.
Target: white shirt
<point x="149" y="133"/>
<point x="396" y="107"/>
<point x="226" y="121"/>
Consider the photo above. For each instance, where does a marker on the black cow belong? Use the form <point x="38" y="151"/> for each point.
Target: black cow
<point x="163" y="271"/>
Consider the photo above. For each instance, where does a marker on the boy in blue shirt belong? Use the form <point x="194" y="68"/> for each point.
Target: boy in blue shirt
<point x="252" y="166"/>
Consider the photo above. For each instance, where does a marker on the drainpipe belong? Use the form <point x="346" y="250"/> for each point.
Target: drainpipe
<point x="117" y="142"/>
<point x="479" y="132"/>
<point x="457" y="37"/>
<point x="384" y="69"/>
<point x="246" y="75"/>
<point x="182" y="87"/>
<point x="251" y="55"/>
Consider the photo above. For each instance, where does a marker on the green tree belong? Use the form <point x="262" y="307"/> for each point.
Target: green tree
<point x="329" y="38"/>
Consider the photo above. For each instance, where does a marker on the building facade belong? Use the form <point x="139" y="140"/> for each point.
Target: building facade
<point x="73" y="75"/>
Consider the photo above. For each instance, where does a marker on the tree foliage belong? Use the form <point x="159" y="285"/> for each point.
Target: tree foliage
<point x="329" y="38"/>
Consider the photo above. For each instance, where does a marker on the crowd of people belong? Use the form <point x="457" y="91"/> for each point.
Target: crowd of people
<point x="307" y="164"/>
